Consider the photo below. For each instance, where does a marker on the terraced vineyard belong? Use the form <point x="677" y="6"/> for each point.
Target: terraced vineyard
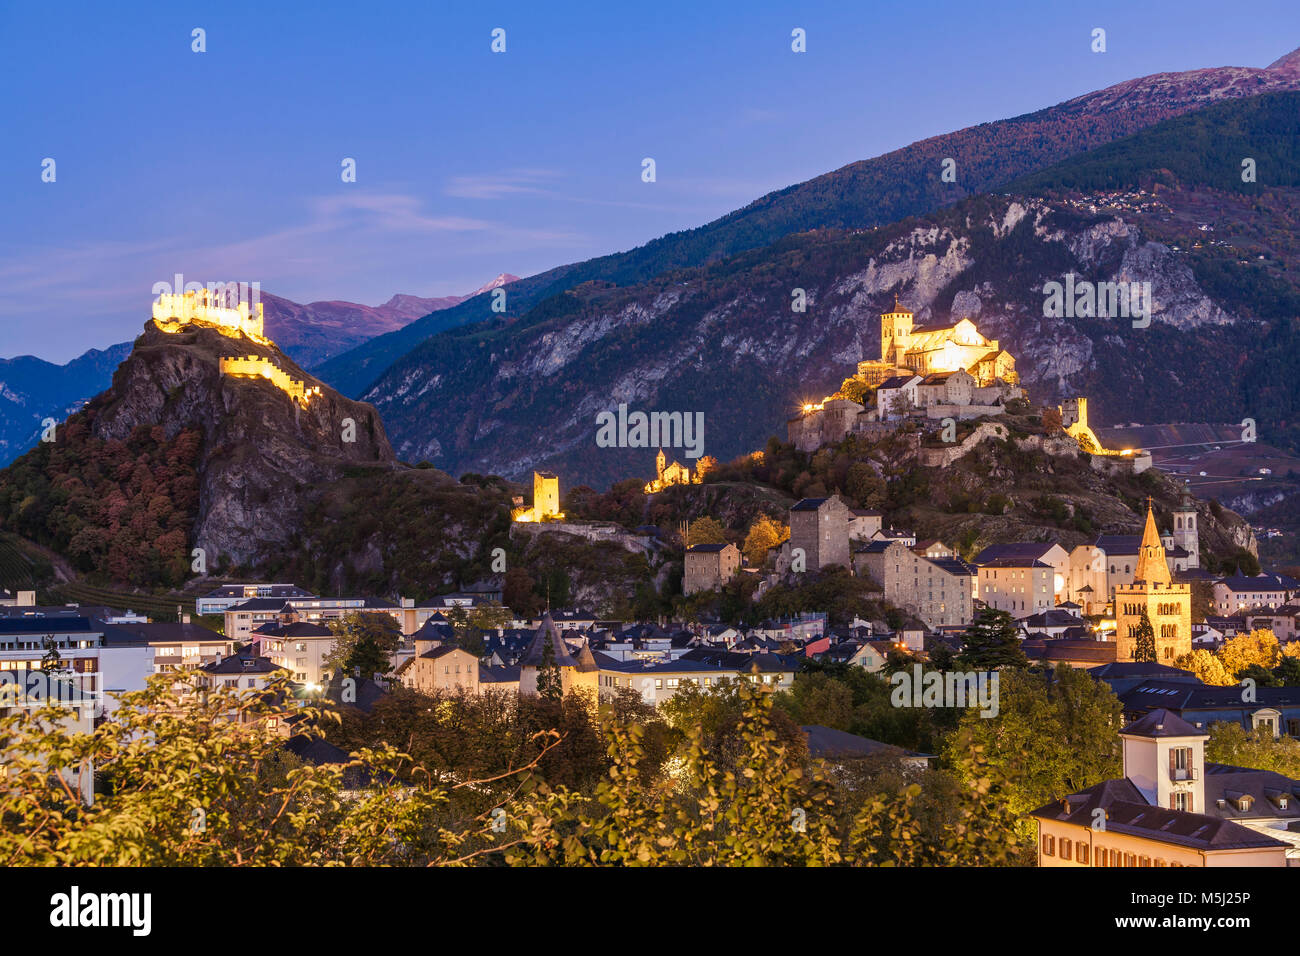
<point x="159" y="607"/>
<point x="19" y="571"/>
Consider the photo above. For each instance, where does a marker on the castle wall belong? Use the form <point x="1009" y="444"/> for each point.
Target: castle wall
<point x="945" y="456"/>
<point x="171" y="311"/>
<point x="963" y="412"/>
<point x="259" y="367"/>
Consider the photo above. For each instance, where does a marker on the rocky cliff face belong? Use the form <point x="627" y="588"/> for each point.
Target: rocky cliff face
<point x="263" y="456"/>
<point x="726" y="341"/>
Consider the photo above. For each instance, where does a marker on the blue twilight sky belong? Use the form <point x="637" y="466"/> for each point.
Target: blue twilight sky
<point x="225" y="165"/>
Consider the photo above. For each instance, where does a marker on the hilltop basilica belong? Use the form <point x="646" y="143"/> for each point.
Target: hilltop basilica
<point x="929" y="349"/>
<point x="934" y="372"/>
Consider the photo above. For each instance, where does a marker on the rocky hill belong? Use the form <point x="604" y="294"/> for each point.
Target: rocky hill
<point x="512" y="395"/>
<point x="176" y="455"/>
<point x="864" y="194"/>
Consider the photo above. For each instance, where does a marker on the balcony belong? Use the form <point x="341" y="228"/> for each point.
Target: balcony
<point x="1179" y="774"/>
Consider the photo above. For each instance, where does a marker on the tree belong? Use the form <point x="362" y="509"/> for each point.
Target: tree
<point x="1144" y="640"/>
<point x="550" y="682"/>
<point x="1259" y="647"/>
<point x="51" y="662"/>
<point x="1052" y="420"/>
<point x="1202" y="600"/>
<point x="991" y="642"/>
<point x="1288" y="671"/>
<point x="864" y="485"/>
<point x="363" y="643"/>
<point x="1206" y="667"/>
<point x="764" y="535"/>
<point x="1232" y="744"/>
<point x="518" y="591"/>
<point x="855" y="390"/>
<point x="705" y="531"/>
<point x="1055" y="733"/>
<point x="216" y="787"/>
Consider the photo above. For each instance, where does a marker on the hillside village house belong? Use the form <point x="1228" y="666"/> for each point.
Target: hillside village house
<point x="442" y="668"/>
<point x="928" y="580"/>
<point x="105" y="660"/>
<point x="94" y="666"/>
<point x="240" y="672"/>
<point x="865" y="524"/>
<point x="709" y="567"/>
<point x="1284" y="621"/>
<point x="820" y="527"/>
<point x="1019" y="586"/>
<point x="300" y="648"/>
<point x="1242" y="592"/>
<point x="26" y="692"/>
<point x="17" y="599"/>
<point x="176" y="646"/>
<point x="1156" y="814"/>
<point x="1271" y="710"/>
<point x="657" y="682"/>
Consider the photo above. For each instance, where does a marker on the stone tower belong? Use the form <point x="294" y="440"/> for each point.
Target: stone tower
<point x="1186" y="534"/>
<point x="1168" y="605"/>
<point x="895" y="334"/>
<point x="546" y="495"/>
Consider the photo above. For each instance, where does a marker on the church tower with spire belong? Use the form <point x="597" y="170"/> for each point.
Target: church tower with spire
<point x="1168" y="604"/>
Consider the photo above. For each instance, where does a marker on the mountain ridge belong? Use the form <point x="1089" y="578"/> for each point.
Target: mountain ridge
<point x="863" y="194"/>
<point x="511" y="395"/>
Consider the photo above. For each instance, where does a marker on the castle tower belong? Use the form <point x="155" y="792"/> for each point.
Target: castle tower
<point x="1168" y="606"/>
<point x="1186" y="535"/>
<point x="895" y="334"/>
<point x="546" y="495"/>
<point x="1074" y="411"/>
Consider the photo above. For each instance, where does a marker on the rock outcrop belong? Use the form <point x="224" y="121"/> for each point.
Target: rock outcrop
<point x="263" y="455"/>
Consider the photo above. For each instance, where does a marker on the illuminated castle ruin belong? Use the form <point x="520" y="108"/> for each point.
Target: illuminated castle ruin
<point x="260" y="367"/>
<point x="1074" y="419"/>
<point x="929" y="372"/>
<point x="546" y="500"/>
<point x="175" y="310"/>
<point x="205" y="307"/>
<point x="924" y="350"/>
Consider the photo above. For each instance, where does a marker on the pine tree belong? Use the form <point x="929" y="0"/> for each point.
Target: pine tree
<point x="550" y="684"/>
<point x="52" y="661"/>
<point x="1144" y="647"/>
<point x="991" y="641"/>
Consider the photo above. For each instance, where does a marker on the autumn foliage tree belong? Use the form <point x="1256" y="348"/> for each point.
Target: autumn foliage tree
<point x="122" y="509"/>
<point x="764" y="535"/>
